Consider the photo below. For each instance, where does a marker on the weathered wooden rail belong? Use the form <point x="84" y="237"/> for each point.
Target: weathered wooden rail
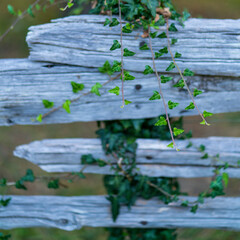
<point x="70" y="213"/>
<point x="71" y="49"/>
<point x="153" y="157"/>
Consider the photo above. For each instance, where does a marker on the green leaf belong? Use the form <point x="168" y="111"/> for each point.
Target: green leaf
<point x="29" y="176"/>
<point x="127" y="76"/>
<point x="170" y="67"/>
<point x="19" y="13"/>
<point x="128" y="53"/>
<point x="47" y="104"/>
<point x="54" y="184"/>
<point x="163" y="50"/>
<point x="165" y="79"/>
<point x="19" y="185"/>
<point x="70" y="4"/>
<point x="106" y="68"/>
<point x="177" y="55"/>
<point x="173" y="41"/>
<point x="76" y="87"/>
<point x="114" y="22"/>
<point x="144" y="47"/>
<point x="117" y="66"/>
<point x="201" y="148"/>
<point x="172" y="105"/>
<point x="201" y="199"/>
<point x="88" y="159"/>
<point x="162" y="35"/>
<point x="5" y="237"/>
<point x="158" y="55"/>
<point x="39" y="118"/>
<point x="107" y="22"/>
<point x="127" y="28"/>
<point x="187" y="72"/>
<point x="153" y="35"/>
<point x="38" y="7"/>
<point x="190" y="106"/>
<point x="172" y="28"/>
<point x="203" y="122"/>
<point x="148" y="70"/>
<point x="196" y="92"/>
<point x="66" y="106"/>
<point x="161" y="122"/>
<point x="194" y="208"/>
<point x="185" y="15"/>
<point x="101" y="163"/>
<point x="177" y="131"/>
<point x="190" y="144"/>
<point x="3" y="182"/>
<point x="185" y="203"/>
<point x="115" y="90"/>
<point x="170" y="145"/>
<point x="4" y="203"/>
<point x="155" y="96"/>
<point x="127" y="102"/>
<point x="95" y="89"/>
<point x="160" y="22"/>
<point x="11" y="9"/>
<point x="115" y="206"/>
<point x="205" y="156"/>
<point x="115" y="45"/>
<point x="207" y="114"/>
<point x="180" y="84"/>
<point x="151" y="5"/>
<point x="30" y="12"/>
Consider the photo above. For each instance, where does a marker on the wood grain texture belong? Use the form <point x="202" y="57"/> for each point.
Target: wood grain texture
<point x="208" y="46"/>
<point x="25" y="83"/>
<point x="71" y="213"/>
<point x="153" y="157"/>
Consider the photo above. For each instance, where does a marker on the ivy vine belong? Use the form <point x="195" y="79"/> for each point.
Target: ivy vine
<point x="118" y="138"/>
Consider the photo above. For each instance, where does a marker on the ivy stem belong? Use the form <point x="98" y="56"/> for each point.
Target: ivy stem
<point x="24" y="13"/>
<point x="180" y="72"/>
<point x="17" y="20"/>
<point x="66" y="7"/>
<point x="77" y="98"/>
<point x="121" y="41"/>
<point x="160" y="89"/>
<point x="63" y="176"/>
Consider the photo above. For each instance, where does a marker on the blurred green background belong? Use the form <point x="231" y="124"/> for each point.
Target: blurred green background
<point x="14" y="46"/>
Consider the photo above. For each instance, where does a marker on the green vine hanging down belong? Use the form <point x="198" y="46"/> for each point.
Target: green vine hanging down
<point x="145" y="15"/>
<point x="127" y="184"/>
<point x="119" y="137"/>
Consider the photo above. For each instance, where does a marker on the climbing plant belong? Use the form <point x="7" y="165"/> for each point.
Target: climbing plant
<point x="118" y="138"/>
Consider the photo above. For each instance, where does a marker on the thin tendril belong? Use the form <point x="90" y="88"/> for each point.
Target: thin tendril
<point x="160" y="89"/>
<point x="121" y="41"/>
<point x="180" y="72"/>
<point x="77" y="98"/>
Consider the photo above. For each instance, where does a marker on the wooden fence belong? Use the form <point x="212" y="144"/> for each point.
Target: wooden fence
<point x="71" y="49"/>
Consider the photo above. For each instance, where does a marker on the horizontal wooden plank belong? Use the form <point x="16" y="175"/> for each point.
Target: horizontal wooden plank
<point x="71" y="213"/>
<point x="153" y="157"/>
<point x="208" y="46"/>
<point x="25" y="83"/>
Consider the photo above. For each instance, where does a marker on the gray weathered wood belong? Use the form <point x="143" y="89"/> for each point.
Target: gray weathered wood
<point x="153" y="157"/>
<point x="23" y="85"/>
<point x="70" y="213"/>
<point x="208" y="46"/>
